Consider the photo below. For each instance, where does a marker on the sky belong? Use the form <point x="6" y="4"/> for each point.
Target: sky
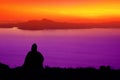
<point x="60" y="10"/>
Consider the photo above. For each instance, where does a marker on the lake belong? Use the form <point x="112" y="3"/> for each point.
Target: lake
<point x="62" y="48"/>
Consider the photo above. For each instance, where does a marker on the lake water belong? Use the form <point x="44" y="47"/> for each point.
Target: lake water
<point x="62" y="48"/>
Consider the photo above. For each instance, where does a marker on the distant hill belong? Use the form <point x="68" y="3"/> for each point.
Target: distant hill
<point x="49" y="24"/>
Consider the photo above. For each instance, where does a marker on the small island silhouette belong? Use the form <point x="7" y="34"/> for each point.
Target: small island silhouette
<point x="46" y="24"/>
<point x="32" y="69"/>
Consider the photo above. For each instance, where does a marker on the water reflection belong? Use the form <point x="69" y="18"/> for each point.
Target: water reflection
<point x="63" y="48"/>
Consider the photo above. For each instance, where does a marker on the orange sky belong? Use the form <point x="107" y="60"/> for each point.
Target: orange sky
<point x="62" y="10"/>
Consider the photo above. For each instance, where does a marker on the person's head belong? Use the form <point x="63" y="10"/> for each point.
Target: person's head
<point x="34" y="47"/>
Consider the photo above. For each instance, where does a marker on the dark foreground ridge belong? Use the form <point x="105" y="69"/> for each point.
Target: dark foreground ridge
<point x="32" y="69"/>
<point x="104" y="73"/>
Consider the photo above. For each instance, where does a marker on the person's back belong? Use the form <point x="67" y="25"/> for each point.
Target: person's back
<point x="34" y="59"/>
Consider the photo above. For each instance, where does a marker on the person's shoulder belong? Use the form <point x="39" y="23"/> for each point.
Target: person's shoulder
<point x="39" y="53"/>
<point x="29" y="52"/>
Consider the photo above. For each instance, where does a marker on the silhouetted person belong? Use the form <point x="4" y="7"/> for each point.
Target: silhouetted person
<point x="34" y="59"/>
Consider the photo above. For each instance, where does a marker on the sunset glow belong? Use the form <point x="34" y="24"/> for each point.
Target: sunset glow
<point x="70" y="35"/>
<point x="63" y="10"/>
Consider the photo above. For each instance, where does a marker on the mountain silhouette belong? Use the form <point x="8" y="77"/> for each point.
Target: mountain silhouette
<point x="49" y="24"/>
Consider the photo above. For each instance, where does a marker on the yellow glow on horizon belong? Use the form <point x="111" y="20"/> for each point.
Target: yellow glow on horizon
<point x="89" y="11"/>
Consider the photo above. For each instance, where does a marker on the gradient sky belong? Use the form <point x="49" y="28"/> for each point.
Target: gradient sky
<point x="62" y="10"/>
